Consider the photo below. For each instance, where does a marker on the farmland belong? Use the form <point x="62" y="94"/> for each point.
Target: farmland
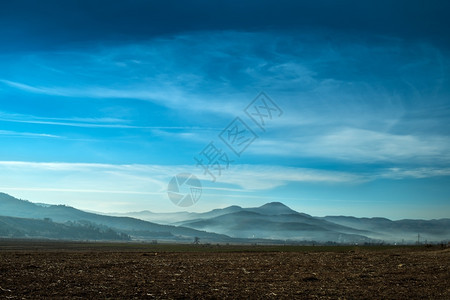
<point x="31" y="269"/>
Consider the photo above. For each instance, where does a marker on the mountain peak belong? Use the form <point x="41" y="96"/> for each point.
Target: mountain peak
<point x="274" y="204"/>
<point x="274" y="208"/>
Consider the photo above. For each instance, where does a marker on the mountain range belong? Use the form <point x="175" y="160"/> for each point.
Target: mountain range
<point x="270" y="223"/>
<point x="61" y="214"/>
<point x="277" y="221"/>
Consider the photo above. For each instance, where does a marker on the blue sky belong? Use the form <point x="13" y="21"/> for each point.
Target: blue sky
<point x="101" y="103"/>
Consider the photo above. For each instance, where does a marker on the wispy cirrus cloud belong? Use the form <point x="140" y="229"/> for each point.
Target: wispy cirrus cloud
<point x="414" y="173"/>
<point x="33" y="89"/>
<point x="89" y="122"/>
<point x="374" y="83"/>
<point x="256" y="176"/>
<point x="366" y="145"/>
<point x="247" y="177"/>
<point x="28" y="134"/>
<point x="359" y="146"/>
<point x="145" y="186"/>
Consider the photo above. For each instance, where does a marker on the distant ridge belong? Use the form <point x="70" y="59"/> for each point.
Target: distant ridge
<point x="139" y="229"/>
<point x="273" y="222"/>
<point x="276" y="220"/>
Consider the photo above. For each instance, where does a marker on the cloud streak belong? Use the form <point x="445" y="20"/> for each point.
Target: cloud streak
<point x="27" y="134"/>
<point x="87" y="123"/>
<point x="247" y="177"/>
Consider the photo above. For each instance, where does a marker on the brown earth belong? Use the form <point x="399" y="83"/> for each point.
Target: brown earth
<point x="97" y="271"/>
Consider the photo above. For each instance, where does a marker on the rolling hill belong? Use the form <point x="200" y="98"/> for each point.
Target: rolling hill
<point x="138" y="229"/>
<point x="272" y="222"/>
<point x="35" y="228"/>
<point x="276" y="220"/>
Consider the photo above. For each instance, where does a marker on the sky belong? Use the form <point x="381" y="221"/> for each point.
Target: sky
<point x="330" y="107"/>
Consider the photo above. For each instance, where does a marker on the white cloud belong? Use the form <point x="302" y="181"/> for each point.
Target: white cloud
<point x="148" y="179"/>
<point x="109" y="187"/>
<point x="260" y="177"/>
<point x="88" y="175"/>
<point x="358" y="146"/>
<point x="368" y="145"/>
<point x="104" y="186"/>
<point x="416" y="173"/>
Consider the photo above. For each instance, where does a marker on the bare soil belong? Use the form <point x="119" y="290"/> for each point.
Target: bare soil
<point x="97" y="271"/>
